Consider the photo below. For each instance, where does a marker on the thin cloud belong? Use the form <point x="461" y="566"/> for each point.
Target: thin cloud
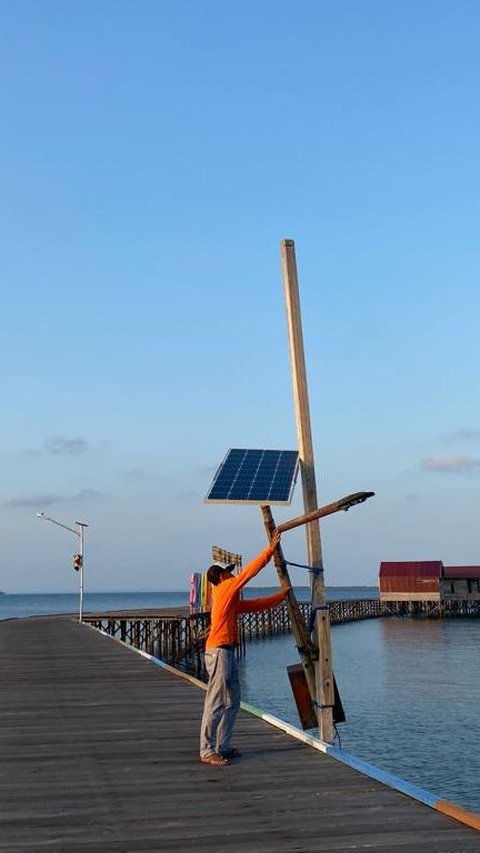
<point x="450" y="464"/>
<point x="411" y="498"/>
<point x="41" y="501"/>
<point x="140" y="475"/>
<point x="33" y="501"/>
<point x="206" y="470"/>
<point x="58" y="445"/>
<point x="86" y="495"/>
<point x="462" y="435"/>
<point x="187" y="496"/>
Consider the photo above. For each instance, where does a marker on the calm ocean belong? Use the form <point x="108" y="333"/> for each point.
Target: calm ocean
<point x="410" y="687"/>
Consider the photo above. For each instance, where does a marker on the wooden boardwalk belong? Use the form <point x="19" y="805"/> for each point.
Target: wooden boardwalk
<point x="99" y="753"/>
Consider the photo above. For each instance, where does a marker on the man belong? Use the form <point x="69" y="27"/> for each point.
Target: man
<point x="222" y="700"/>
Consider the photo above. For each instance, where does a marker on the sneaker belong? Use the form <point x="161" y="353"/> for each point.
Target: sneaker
<point x="215" y="759"/>
<point x="231" y="753"/>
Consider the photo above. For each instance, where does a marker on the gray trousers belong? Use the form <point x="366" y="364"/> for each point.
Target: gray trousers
<point x="221" y="702"/>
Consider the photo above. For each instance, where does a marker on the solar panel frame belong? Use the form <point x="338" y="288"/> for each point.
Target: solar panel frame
<point x="260" y="477"/>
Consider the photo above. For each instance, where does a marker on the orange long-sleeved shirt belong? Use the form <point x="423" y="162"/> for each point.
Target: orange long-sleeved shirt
<point x="226" y="604"/>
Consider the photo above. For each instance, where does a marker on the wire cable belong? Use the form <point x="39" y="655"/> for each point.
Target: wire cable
<point x="315" y="570"/>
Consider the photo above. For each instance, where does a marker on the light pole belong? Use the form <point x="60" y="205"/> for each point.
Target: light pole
<point x="78" y="559"/>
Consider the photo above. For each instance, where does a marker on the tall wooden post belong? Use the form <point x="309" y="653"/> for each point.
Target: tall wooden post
<point x="323" y="668"/>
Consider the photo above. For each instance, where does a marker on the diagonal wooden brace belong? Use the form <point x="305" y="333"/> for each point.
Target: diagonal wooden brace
<point x="307" y="650"/>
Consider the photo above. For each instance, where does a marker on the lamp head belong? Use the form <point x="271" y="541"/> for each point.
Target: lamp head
<point x="356" y="498"/>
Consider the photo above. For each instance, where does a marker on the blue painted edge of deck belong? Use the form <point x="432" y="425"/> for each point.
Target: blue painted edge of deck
<point x="471" y="819"/>
<point x="359" y="764"/>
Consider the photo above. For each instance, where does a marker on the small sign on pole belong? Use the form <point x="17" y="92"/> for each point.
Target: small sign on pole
<point x="220" y="555"/>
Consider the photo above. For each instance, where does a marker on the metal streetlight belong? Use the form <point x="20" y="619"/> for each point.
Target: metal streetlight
<point x="78" y="558"/>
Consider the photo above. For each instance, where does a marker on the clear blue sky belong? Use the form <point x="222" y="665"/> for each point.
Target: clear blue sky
<point x="153" y="155"/>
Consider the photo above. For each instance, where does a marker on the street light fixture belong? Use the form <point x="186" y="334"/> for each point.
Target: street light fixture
<point x="78" y="563"/>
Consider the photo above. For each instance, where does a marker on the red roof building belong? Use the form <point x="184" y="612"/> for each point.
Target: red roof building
<point x="457" y="572"/>
<point x="461" y="582"/>
<point x="428" y="580"/>
<point x="410" y="581"/>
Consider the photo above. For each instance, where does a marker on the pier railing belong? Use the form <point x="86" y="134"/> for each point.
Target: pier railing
<point x="178" y="637"/>
<point x="269" y="623"/>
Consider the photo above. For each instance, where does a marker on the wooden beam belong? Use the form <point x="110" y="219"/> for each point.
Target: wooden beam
<point x="342" y="504"/>
<point x="306" y="649"/>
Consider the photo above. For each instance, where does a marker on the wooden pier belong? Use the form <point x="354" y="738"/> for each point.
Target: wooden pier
<point x="99" y="752"/>
<point x="444" y="609"/>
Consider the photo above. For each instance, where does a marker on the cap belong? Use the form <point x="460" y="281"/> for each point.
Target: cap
<point x="215" y="570"/>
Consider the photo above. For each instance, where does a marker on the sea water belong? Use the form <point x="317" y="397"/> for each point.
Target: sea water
<point x="410" y="691"/>
<point x="47" y="604"/>
<point x="409" y="687"/>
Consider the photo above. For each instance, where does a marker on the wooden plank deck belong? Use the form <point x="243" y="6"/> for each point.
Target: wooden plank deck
<point x="99" y="752"/>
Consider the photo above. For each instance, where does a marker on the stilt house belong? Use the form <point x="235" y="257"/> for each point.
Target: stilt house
<point x="428" y="580"/>
<point x="460" y="582"/>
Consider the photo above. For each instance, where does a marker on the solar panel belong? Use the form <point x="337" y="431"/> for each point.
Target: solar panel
<point x="255" y="477"/>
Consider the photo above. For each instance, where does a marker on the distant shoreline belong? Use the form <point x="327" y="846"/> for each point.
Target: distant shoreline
<point x="178" y="591"/>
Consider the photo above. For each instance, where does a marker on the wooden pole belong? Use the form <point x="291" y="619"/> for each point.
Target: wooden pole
<point x="323" y="668"/>
<point x="342" y="504"/>
<point x="306" y="648"/>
